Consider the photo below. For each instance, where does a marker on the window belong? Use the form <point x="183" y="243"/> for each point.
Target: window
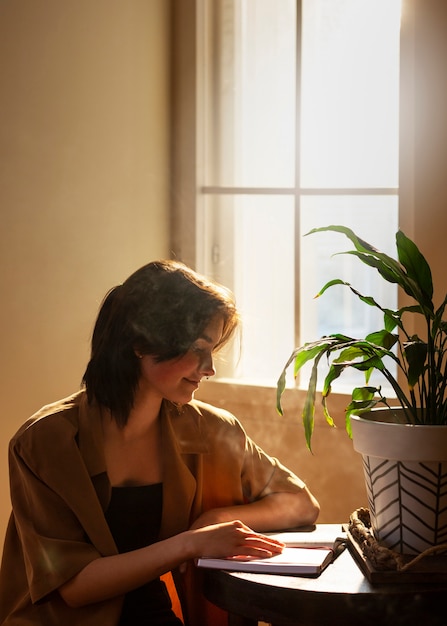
<point x="298" y="128"/>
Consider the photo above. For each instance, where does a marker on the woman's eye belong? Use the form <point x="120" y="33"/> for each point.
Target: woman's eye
<point x="198" y="349"/>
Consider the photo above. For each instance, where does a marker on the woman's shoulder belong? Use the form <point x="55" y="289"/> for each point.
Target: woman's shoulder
<point x="214" y="421"/>
<point x="58" y="446"/>
<point x="211" y="412"/>
<point x="205" y="426"/>
<point x="202" y="415"/>
<point x="52" y="418"/>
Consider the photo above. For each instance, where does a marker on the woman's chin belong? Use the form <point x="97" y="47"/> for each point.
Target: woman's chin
<point x="183" y="398"/>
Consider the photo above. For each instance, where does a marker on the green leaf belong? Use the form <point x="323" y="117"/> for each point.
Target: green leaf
<point x="416" y="355"/>
<point x="364" y="393"/>
<point x="415" y="264"/>
<point x="309" y="406"/>
<point x="383" y="338"/>
<point x="357" y="408"/>
<point x="366" y="299"/>
<point x="438" y="323"/>
<point x="363" y="399"/>
<point x="280" y="386"/>
<point x="350" y="354"/>
<point x="326" y="414"/>
<point x="361" y="349"/>
<point x="331" y="283"/>
<point x="281" y="383"/>
<point x="373" y="362"/>
<point x="391" y="270"/>
<point x="334" y="372"/>
<point x="309" y="352"/>
<point x="368" y="253"/>
<point x="387" y="267"/>
<point x="391" y="319"/>
<point x="360" y="244"/>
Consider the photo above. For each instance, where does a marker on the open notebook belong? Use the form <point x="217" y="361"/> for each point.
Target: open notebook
<point x="306" y="553"/>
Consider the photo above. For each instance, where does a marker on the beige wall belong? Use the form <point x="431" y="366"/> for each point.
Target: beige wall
<point x="423" y="133"/>
<point x="83" y="182"/>
<point x="429" y="180"/>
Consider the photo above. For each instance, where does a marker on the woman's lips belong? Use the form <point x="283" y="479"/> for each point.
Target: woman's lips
<point x="196" y="383"/>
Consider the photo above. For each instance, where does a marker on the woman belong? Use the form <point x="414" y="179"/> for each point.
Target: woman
<point x="131" y="478"/>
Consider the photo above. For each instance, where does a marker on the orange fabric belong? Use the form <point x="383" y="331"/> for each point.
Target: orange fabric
<point x="176" y="606"/>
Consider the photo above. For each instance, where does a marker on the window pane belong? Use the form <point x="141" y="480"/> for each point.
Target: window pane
<point x="255" y="258"/>
<point x="373" y="218"/>
<point x="348" y="139"/>
<point x="350" y="90"/>
<point x="250" y="106"/>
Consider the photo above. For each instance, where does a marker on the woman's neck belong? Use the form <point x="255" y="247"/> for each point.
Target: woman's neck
<point x="132" y="452"/>
<point x="143" y="419"/>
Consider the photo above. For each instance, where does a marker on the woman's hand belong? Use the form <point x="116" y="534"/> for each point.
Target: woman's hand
<point x="233" y="539"/>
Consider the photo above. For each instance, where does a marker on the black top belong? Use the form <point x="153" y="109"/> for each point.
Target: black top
<point x="134" y="518"/>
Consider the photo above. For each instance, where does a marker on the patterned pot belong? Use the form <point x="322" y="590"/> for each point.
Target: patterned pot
<point x="405" y="469"/>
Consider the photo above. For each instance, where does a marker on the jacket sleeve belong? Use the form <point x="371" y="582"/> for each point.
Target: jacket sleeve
<point x="236" y="467"/>
<point x="54" y="542"/>
<point x="263" y="475"/>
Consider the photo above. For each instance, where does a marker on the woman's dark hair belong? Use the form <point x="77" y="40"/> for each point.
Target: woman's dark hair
<point x="161" y="309"/>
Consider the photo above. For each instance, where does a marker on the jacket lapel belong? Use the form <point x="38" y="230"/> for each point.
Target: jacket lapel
<point x="92" y="451"/>
<point x="183" y="447"/>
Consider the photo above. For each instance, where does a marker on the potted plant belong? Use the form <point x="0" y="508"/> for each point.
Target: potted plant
<point x="404" y="447"/>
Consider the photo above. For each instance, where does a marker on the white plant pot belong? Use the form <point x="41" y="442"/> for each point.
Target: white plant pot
<point x="405" y="468"/>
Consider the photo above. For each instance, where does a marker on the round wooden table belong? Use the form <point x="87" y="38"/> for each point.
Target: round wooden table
<point x="340" y="596"/>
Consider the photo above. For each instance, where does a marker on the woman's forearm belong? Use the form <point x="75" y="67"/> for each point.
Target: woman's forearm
<point x="273" y="512"/>
<point x="112" y="576"/>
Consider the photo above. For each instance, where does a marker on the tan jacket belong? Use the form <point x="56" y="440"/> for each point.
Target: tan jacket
<point x="60" y="489"/>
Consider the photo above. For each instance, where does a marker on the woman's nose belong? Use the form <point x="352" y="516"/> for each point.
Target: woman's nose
<point x="207" y="366"/>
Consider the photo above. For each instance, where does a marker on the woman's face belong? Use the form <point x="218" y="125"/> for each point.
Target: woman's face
<point x="178" y="378"/>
